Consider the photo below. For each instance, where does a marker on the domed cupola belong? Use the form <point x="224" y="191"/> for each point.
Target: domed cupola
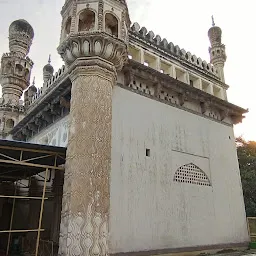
<point x="21" y="35"/>
<point x="214" y="34"/>
<point x="48" y="70"/>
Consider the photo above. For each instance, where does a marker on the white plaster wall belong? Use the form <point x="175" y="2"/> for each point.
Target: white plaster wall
<point x="54" y="135"/>
<point x="148" y="210"/>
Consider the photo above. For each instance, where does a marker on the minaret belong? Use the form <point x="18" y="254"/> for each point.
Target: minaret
<point x="15" y="74"/>
<point x="48" y="70"/>
<point x="217" y="50"/>
<point x="93" y="45"/>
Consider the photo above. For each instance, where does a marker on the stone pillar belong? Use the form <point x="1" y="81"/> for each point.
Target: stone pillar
<point x="86" y="198"/>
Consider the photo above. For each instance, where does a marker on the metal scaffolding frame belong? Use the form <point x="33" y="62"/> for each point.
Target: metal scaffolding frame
<point x="19" y="160"/>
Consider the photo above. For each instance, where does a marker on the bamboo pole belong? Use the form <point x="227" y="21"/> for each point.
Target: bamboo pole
<point x="24" y="197"/>
<point x="41" y="214"/>
<point x="11" y="222"/>
<point x="20" y="231"/>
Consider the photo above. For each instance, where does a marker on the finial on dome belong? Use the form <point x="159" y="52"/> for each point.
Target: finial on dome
<point x="49" y="60"/>
<point x="213" y="23"/>
<point x="34" y="81"/>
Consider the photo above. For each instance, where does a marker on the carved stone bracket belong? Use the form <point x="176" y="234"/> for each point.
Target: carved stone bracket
<point x="47" y="117"/>
<point x="223" y="114"/>
<point x="33" y="127"/>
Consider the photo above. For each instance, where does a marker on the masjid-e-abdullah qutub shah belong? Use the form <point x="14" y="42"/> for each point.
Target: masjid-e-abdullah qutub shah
<point x="128" y="149"/>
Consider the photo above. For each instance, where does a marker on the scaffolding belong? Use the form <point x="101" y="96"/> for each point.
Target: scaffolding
<point x="19" y="162"/>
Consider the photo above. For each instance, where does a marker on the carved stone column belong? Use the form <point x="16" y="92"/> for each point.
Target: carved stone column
<point x="92" y="57"/>
<point x="85" y="212"/>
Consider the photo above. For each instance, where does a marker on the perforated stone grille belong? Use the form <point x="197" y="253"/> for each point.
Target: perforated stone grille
<point x="192" y="174"/>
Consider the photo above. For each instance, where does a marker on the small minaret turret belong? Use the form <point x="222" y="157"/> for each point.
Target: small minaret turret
<point x="16" y="66"/>
<point x="15" y="74"/>
<point x="217" y="50"/>
<point x="29" y="93"/>
<point x="48" y="70"/>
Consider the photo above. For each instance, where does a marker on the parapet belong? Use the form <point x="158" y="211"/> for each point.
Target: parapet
<point x="173" y="50"/>
<point x="47" y="86"/>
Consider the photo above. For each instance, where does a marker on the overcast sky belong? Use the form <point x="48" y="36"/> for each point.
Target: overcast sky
<point x="184" y="22"/>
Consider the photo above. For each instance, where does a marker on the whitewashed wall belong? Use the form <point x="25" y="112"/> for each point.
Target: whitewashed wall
<point x="148" y="209"/>
<point x="54" y="135"/>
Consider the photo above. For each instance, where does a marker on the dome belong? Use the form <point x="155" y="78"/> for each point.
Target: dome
<point x="214" y="34"/>
<point x="48" y="68"/>
<point x="32" y="88"/>
<point x="21" y="26"/>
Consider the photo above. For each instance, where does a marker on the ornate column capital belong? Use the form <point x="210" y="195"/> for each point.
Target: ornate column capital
<point x="94" y="44"/>
<point x="95" y="66"/>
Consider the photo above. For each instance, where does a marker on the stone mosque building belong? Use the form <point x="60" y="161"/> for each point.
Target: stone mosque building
<point x="147" y="134"/>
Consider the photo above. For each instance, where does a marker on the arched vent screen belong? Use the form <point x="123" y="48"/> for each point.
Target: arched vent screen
<point x="192" y="174"/>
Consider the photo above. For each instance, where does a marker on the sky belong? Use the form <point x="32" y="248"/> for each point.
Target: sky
<point x="183" y="22"/>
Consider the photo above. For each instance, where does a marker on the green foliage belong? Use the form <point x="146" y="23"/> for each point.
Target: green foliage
<point x="246" y="151"/>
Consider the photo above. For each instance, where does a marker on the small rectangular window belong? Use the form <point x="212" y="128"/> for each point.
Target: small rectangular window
<point x="148" y="152"/>
<point x="191" y="82"/>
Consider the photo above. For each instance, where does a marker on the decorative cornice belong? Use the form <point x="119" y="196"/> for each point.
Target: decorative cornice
<point x="40" y="113"/>
<point x="183" y="91"/>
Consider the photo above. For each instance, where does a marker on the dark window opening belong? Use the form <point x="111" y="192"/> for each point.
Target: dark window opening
<point x="111" y="24"/>
<point x="86" y="21"/>
<point x="148" y="152"/>
<point x="68" y="27"/>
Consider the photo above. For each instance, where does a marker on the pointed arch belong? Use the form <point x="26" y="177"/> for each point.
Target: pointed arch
<point x="68" y="26"/>
<point x="86" y="20"/>
<point x="9" y="124"/>
<point x="111" y="24"/>
<point x="190" y="173"/>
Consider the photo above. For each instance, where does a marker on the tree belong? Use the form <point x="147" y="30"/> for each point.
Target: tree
<point x="246" y="151"/>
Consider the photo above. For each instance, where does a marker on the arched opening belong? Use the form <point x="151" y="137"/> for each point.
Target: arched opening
<point x="86" y="21"/>
<point x="26" y="74"/>
<point x="9" y="124"/>
<point x="111" y="24"/>
<point x="19" y="70"/>
<point x="8" y="68"/>
<point x="68" y="27"/>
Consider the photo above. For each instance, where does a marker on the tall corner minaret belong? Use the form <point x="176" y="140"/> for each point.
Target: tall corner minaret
<point x="217" y="50"/>
<point x="94" y="46"/>
<point x="15" y="75"/>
